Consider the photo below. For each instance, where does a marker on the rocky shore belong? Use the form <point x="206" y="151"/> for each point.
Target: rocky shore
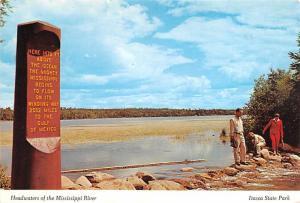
<point x="268" y="172"/>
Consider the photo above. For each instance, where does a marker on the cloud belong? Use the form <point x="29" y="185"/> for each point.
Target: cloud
<point x="147" y="61"/>
<point x="94" y="79"/>
<point x="275" y="13"/>
<point x="239" y="51"/>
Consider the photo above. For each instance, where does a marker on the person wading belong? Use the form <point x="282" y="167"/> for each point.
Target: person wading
<point x="237" y="138"/>
<point x="276" y="132"/>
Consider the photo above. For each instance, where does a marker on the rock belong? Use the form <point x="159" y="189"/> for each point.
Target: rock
<point x="188" y="169"/>
<point x="260" y="161"/>
<point x="288" y="148"/>
<point x="294" y="160"/>
<point x="202" y="176"/>
<point x="83" y="181"/>
<point x="190" y="183"/>
<point x="250" y="175"/>
<point x="246" y="180"/>
<point x="216" y="184"/>
<point x="66" y="183"/>
<point x="230" y="171"/>
<point x="115" y="184"/>
<point x="246" y="167"/>
<point x="153" y="185"/>
<point x="167" y="184"/>
<point x="265" y="154"/>
<point x="276" y="158"/>
<point x="97" y="177"/>
<point x="146" y="177"/>
<point x="287" y="165"/>
<point x="138" y="183"/>
<point x="236" y="183"/>
<point x="285" y="159"/>
<point x="215" y="173"/>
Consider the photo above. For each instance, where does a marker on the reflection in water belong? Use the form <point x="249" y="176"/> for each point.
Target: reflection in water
<point x="143" y="151"/>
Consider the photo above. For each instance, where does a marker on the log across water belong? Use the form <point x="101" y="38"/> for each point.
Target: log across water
<point x="133" y="166"/>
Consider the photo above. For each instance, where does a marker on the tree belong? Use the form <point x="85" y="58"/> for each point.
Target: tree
<point x="278" y="92"/>
<point x="5" y="8"/>
<point x="294" y="100"/>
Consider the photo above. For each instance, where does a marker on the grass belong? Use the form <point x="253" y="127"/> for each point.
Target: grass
<point x="122" y="132"/>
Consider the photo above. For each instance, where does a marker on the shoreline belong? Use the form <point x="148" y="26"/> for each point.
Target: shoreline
<point x="270" y="173"/>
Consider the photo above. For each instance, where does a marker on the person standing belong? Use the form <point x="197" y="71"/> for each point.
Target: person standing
<point x="237" y="137"/>
<point x="276" y="132"/>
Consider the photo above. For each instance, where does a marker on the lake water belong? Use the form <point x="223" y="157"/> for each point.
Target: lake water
<point x="202" y="145"/>
<point x="8" y="125"/>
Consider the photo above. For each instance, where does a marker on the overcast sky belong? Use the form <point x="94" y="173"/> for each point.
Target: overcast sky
<point x="175" y="54"/>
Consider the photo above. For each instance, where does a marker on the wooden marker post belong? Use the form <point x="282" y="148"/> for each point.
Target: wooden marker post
<point x="36" y="162"/>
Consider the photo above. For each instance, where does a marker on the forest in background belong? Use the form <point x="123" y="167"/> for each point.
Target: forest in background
<point x="81" y="113"/>
<point x="278" y="92"/>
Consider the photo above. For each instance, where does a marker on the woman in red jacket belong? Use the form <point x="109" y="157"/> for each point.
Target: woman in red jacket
<point x="276" y="132"/>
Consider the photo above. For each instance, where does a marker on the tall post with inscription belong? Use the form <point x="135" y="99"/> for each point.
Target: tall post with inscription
<point x="36" y="162"/>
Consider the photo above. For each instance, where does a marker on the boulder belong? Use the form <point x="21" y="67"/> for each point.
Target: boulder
<point x="171" y="185"/>
<point x="97" y="177"/>
<point x="83" y="181"/>
<point x="115" y="184"/>
<point x="230" y="171"/>
<point x="138" y="183"/>
<point x="265" y="154"/>
<point x="146" y="177"/>
<point x="187" y="169"/>
<point x="250" y="175"/>
<point x="287" y="165"/>
<point x="167" y="184"/>
<point x="66" y="183"/>
<point x="190" y="183"/>
<point x="276" y="158"/>
<point x="250" y="167"/>
<point x="260" y="161"/>
<point x="153" y="185"/>
<point x="215" y="174"/>
<point x="294" y="160"/>
<point x="288" y="148"/>
<point x="203" y="176"/>
<point x="216" y="184"/>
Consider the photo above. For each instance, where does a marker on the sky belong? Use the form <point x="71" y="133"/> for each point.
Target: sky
<point x="158" y="53"/>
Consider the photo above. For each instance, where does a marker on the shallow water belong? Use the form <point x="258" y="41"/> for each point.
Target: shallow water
<point x="8" y="125"/>
<point x="142" y="151"/>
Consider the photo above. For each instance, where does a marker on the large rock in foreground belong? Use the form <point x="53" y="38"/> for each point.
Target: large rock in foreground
<point x="66" y="183"/>
<point x="83" y="181"/>
<point x="294" y="160"/>
<point x="250" y="167"/>
<point x="276" y="158"/>
<point x="146" y="177"/>
<point x="97" y="177"/>
<point x="116" y="184"/>
<point x="261" y="161"/>
<point x="265" y="154"/>
<point x="153" y="185"/>
<point x="138" y="183"/>
<point x="165" y="185"/>
<point x="230" y="171"/>
<point x="190" y="183"/>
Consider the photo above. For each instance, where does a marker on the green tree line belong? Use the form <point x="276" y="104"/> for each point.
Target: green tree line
<point x="278" y="92"/>
<point x="80" y="113"/>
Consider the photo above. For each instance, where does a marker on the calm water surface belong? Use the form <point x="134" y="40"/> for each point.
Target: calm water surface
<point x="202" y="145"/>
<point x="8" y="125"/>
